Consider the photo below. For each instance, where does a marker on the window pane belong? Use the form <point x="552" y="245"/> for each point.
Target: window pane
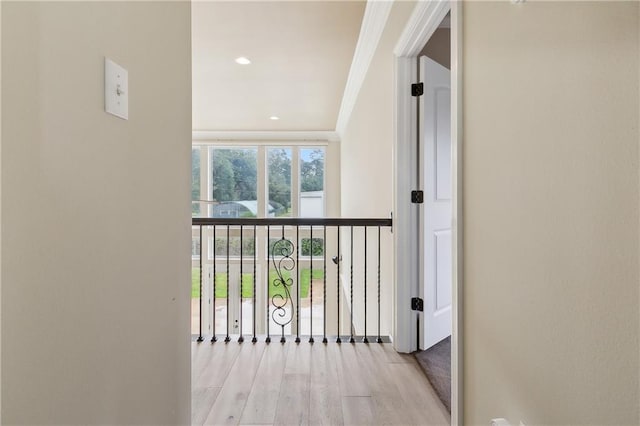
<point x="234" y="247"/>
<point x="287" y="249"/>
<point x="234" y="182"/>
<point x="195" y="247"/>
<point x="279" y="172"/>
<point x="312" y="182"/>
<point x="309" y="246"/>
<point x="195" y="181"/>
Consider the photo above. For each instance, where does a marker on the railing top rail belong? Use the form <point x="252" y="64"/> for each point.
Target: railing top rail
<point x="291" y="221"/>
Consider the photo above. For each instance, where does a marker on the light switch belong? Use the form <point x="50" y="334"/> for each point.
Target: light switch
<point x="116" y="89"/>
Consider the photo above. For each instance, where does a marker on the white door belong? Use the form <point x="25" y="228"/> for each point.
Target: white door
<point x="435" y="129"/>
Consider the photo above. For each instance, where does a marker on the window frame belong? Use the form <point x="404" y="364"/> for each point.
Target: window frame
<point x="262" y="171"/>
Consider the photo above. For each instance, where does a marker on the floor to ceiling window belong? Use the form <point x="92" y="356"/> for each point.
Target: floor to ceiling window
<point x="255" y="181"/>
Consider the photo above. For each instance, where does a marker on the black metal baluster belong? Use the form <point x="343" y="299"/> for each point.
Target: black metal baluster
<point x="241" y="338"/>
<point x="213" y="337"/>
<point x="228" y="339"/>
<point x="324" y="285"/>
<point x="282" y="338"/>
<point x="268" y="339"/>
<point x="379" y="339"/>
<point x="255" y="339"/>
<point x="200" y="339"/>
<point x="311" y="291"/>
<point x="338" y="340"/>
<point x="364" y="339"/>
<point x="298" y="286"/>
<point x="351" y="339"/>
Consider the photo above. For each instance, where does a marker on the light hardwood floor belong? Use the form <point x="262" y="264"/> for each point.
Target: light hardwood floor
<point x="295" y="384"/>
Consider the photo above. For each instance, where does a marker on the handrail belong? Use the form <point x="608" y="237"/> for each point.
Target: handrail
<point x="291" y="221"/>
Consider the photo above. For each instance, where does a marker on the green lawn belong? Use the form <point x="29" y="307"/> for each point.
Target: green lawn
<point x="247" y="283"/>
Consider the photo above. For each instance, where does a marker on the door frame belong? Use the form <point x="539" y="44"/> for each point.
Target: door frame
<point x="424" y="20"/>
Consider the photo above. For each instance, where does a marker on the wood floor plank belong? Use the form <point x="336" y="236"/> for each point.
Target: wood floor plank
<point x="352" y="382"/>
<point x="293" y="404"/>
<point x="395" y="357"/>
<point x="218" y="364"/>
<point x="201" y="355"/>
<point x="325" y="402"/>
<point x="228" y="407"/>
<point x="419" y="399"/>
<point x="263" y="398"/>
<point x="359" y="410"/>
<point x="298" y="358"/>
<point x="384" y="390"/>
<point x="202" y="399"/>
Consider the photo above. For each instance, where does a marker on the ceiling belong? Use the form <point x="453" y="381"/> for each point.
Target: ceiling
<point x="300" y="52"/>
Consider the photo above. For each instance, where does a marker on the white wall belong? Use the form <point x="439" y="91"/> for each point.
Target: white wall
<point x="366" y="158"/>
<point x="95" y="215"/>
<point x="551" y="212"/>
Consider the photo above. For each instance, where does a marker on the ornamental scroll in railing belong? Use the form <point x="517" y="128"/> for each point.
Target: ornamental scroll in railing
<point x="281" y="253"/>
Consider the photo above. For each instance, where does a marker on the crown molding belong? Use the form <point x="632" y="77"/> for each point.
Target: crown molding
<point x="424" y="20"/>
<point x="214" y="135"/>
<point x="373" y="23"/>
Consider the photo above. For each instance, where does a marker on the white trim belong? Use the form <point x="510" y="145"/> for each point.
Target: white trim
<point x="425" y="19"/>
<point x="215" y="135"/>
<point x="226" y="143"/>
<point x="457" y="225"/>
<point x="373" y="23"/>
<point x="404" y="215"/>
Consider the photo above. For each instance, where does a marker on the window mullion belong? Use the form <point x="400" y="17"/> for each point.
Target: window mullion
<point x="295" y="181"/>
<point x="262" y="184"/>
<point x="205" y="181"/>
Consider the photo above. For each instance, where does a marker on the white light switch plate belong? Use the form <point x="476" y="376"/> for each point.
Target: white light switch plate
<point x="116" y="89"/>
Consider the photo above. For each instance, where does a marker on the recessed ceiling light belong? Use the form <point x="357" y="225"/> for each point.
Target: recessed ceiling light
<point x="274" y="117"/>
<point x="243" y="61"/>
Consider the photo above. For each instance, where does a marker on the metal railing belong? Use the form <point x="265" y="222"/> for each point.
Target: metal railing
<point x="254" y="274"/>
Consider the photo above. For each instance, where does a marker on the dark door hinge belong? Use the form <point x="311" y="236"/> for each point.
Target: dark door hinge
<point x="417" y="304"/>
<point x="417" y="197"/>
<point x="417" y="89"/>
